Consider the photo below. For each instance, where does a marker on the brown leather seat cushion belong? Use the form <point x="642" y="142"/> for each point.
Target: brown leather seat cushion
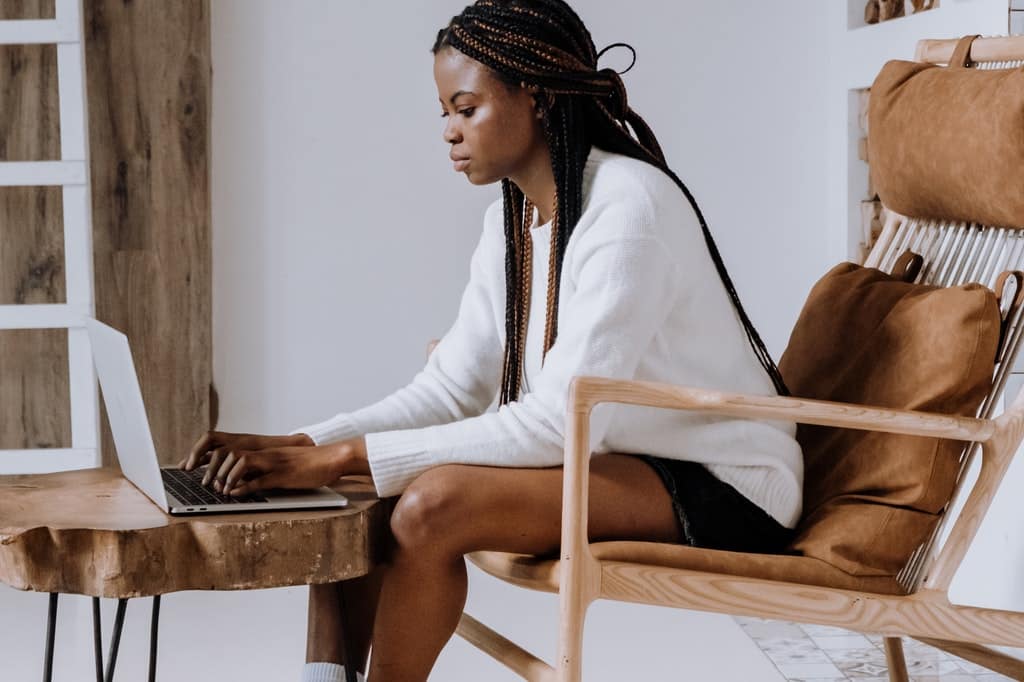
<point x="542" y="572"/>
<point x="869" y="338"/>
<point x="789" y="568"/>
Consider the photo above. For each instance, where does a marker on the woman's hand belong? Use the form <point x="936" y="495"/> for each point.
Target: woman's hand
<point x="291" y="467"/>
<point x="213" y="447"/>
<point x="245" y="472"/>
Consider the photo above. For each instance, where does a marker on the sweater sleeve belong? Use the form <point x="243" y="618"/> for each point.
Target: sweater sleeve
<point x="625" y="288"/>
<point x="462" y="375"/>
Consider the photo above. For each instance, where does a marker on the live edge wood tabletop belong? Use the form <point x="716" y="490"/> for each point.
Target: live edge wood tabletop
<point x="91" y="532"/>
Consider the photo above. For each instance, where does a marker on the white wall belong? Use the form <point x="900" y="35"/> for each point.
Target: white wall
<point x="342" y="236"/>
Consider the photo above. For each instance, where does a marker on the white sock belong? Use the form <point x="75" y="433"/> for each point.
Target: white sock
<point x="327" y="672"/>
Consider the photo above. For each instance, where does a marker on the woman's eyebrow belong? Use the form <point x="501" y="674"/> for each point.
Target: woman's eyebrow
<point x="460" y="92"/>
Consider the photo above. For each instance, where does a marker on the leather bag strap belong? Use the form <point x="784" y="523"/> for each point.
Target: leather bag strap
<point x="962" y="53"/>
<point x="1015" y="303"/>
<point x="907" y="266"/>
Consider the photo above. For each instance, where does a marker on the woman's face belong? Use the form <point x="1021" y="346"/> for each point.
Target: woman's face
<point x="494" y="131"/>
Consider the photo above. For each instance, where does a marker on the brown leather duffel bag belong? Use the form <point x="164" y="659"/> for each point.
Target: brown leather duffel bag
<point x="947" y="143"/>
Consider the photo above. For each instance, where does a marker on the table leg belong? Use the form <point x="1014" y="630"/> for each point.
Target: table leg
<point x="346" y="642"/>
<point x="115" y="639"/>
<point x="51" y="632"/>
<point x="153" y="637"/>
<point x="97" y="639"/>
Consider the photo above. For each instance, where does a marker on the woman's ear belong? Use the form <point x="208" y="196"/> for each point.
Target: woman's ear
<point x="542" y="100"/>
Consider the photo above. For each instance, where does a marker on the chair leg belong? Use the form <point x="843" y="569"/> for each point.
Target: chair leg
<point x="894" y="657"/>
<point x="51" y="632"/>
<point x="569" y="667"/>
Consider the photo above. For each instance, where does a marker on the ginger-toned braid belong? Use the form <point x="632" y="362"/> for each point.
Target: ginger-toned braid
<point x="544" y="43"/>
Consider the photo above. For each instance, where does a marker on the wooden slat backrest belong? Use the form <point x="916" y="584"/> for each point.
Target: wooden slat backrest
<point x="955" y="253"/>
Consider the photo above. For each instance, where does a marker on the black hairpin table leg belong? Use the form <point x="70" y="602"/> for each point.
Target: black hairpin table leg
<point x="51" y="632"/>
<point x="350" y="663"/>
<point x="115" y="639"/>
<point x="152" y="638"/>
<point x="97" y="639"/>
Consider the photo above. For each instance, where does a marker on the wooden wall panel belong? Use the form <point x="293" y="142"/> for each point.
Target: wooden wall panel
<point x="148" y="78"/>
<point x="34" y="409"/>
<point x="26" y="9"/>
<point x="148" y="68"/>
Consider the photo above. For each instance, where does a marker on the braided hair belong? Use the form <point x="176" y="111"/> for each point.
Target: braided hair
<point x="543" y="43"/>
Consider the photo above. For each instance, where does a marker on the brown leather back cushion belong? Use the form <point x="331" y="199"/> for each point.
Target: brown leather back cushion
<point x="869" y="338"/>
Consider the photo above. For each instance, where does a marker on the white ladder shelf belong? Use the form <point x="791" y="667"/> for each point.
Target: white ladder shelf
<point x="71" y="173"/>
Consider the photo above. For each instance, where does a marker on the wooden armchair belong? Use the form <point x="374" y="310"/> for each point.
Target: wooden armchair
<point x="792" y="587"/>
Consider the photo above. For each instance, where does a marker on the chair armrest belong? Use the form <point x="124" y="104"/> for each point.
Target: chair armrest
<point x="585" y="392"/>
<point x="582" y="574"/>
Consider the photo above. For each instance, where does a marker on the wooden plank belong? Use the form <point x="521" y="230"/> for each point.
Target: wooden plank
<point x="34" y="411"/>
<point x="27" y="9"/>
<point x="148" y="79"/>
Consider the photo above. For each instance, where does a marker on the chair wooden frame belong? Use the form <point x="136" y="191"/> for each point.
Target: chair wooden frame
<point x="926" y="613"/>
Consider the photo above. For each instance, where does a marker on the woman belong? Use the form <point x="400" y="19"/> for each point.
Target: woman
<point x="596" y="261"/>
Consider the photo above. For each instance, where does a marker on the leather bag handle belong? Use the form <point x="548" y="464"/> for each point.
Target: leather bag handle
<point x="962" y="53"/>
<point x="907" y="266"/>
<point x="1015" y="303"/>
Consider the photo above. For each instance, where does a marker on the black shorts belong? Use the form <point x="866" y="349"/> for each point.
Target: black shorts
<point x="713" y="514"/>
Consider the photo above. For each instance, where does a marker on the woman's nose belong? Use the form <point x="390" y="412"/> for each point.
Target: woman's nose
<point x="451" y="134"/>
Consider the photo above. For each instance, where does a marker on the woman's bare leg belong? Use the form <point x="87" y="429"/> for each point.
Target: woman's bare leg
<point x="325" y="636"/>
<point x="455" y="509"/>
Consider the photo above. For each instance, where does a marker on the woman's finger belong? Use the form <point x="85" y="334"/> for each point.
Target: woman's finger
<point x="225" y="466"/>
<point x="207" y="442"/>
<point x="216" y="459"/>
<point x="266" y="481"/>
<point x="247" y="464"/>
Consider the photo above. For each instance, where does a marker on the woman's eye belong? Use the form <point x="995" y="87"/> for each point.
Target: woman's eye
<point x="465" y="112"/>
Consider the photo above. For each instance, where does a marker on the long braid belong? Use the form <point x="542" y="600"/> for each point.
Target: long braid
<point x="544" y="43"/>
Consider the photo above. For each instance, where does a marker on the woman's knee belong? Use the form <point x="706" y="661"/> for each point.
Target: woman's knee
<point x="426" y="515"/>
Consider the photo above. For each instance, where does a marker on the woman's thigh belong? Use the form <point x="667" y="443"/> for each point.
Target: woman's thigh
<point x="459" y="508"/>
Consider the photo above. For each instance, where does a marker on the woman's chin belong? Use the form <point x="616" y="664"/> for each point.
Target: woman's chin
<point x="477" y="178"/>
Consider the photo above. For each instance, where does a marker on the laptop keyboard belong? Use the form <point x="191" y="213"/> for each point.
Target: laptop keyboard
<point x="188" y="487"/>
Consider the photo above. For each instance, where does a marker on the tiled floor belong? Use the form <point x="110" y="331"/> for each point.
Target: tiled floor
<point x="816" y="653"/>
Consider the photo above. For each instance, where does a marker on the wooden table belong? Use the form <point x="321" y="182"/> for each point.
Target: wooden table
<point x="91" y="532"/>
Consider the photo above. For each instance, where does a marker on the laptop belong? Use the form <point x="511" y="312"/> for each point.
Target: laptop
<point x="170" y="488"/>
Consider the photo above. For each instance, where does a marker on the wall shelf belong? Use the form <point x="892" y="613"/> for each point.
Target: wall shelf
<point x="856" y="10"/>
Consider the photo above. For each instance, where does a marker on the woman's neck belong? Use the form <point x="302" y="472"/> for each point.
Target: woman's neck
<point x="537" y="181"/>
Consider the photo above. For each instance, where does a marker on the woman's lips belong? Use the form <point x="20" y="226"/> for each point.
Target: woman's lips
<point x="461" y="165"/>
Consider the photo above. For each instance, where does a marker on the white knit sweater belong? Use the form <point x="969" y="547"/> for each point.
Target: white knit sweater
<point x="640" y="298"/>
